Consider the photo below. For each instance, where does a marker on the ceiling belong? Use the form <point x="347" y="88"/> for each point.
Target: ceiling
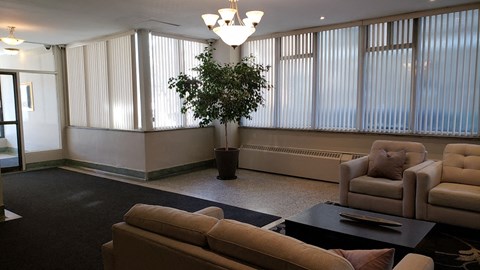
<point x="68" y="21"/>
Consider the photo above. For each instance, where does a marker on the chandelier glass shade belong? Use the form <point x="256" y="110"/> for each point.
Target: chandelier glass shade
<point x="11" y="40"/>
<point x="232" y="32"/>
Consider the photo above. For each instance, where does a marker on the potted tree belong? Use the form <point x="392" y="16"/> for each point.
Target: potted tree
<point x="226" y="92"/>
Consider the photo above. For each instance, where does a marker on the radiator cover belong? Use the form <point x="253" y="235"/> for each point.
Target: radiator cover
<point x="299" y="162"/>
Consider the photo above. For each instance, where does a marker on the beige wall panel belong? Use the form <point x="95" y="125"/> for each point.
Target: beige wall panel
<point x="120" y="149"/>
<point x="166" y="149"/>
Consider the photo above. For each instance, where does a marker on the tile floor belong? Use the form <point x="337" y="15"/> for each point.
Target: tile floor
<point x="273" y="194"/>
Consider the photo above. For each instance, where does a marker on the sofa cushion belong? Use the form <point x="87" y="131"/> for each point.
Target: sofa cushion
<point x="461" y="164"/>
<point x="453" y="195"/>
<point x="269" y="250"/>
<point x="378" y="187"/>
<point x="415" y="152"/>
<point x="387" y="165"/>
<point x="174" y="223"/>
<point x="368" y="259"/>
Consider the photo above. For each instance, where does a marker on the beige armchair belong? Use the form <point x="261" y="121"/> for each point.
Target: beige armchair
<point x="361" y="186"/>
<point x="448" y="191"/>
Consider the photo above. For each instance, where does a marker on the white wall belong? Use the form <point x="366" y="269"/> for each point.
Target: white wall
<point x="41" y="127"/>
<point x="342" y="142"/>
<point x="37" y="58"/>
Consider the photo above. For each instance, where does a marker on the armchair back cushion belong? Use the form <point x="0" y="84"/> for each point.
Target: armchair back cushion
<point x="461" y="164"/>
<point x="415" y="152"/>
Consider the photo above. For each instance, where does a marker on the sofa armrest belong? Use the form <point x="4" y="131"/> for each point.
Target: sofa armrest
<point x="415" y="261"/>
<point x="212" y="211"/>
<point x="348" y="171"/>
<point x="107" y="255"/>
<point x="409" y="188"/>
<point x="427" y="178"/>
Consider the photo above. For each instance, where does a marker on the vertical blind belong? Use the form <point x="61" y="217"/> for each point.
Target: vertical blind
<point x="448" y="74"/>
<point x="190" y="50"/>
<point x="121" y="81"/>
<point x="336" y="98"/>
<point x="264" y="53"/>
<point x="169" y="57"/>
<point x="96" y="86"/>
<point x="388" y="77"/>
<point x="100" y="84"/>
<point x="295" y="82"/>
<point x="76" y="87"/>
<point x="166" y="103"/>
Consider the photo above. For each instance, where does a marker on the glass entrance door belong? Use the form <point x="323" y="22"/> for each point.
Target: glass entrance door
<point x="10" y="143"/>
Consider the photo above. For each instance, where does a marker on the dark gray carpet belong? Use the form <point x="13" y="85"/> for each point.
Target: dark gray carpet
<point x="67" y="216"/>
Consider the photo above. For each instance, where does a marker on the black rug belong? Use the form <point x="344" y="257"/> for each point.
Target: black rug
<point x="450" y="247"/>
<point x="67" y="216"/>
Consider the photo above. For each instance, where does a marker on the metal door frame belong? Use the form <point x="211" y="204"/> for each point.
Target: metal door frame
<point x="17" y="122"/>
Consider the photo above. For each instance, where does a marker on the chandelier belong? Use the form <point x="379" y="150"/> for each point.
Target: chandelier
<point x="11" y="40"/>
<point x="231" y="33"/>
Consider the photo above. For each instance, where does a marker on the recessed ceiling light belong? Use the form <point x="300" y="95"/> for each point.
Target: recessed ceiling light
<point x="431" y="0"/>
<point x="11" y="51"/>
<point x="322" y="18"/>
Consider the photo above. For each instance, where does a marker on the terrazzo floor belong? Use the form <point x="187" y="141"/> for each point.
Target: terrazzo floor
<point x="268" y="193"/>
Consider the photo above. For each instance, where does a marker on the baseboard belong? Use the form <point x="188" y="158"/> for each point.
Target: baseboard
<point x="153" y="175"/>
<point x="105" y="168"/>
<point x="45" y="164"/>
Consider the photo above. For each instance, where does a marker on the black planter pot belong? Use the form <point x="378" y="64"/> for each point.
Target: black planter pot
<point x="227" y="162"/>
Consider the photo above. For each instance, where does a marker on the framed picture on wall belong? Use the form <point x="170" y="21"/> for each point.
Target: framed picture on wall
<point x="26" y="94"/>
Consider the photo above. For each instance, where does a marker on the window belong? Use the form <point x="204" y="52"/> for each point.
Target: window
<point x="412" y="76"/>
<point x="93" y="100"/>
<point x="295" y="84"/>
<point x="448" y="98"/>
<point x="264" y="53"/>
<point x="388" y="77"/>
<point x="336" y="98"/>
<point x="169" y="57"/>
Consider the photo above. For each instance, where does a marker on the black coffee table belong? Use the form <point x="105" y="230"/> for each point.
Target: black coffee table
<point x="323" y="226"/>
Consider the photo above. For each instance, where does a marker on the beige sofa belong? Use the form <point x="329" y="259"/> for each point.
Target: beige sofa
<point x="448" y="191"/>
<point x="155" y="237"/>
<point x="380" y="194"/>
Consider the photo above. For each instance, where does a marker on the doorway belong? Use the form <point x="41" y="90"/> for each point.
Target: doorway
<point x="10" y="134"/>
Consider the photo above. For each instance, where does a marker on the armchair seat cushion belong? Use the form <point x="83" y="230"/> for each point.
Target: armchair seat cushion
<point x="378" y="187"/>
<point x="453" y="195"/>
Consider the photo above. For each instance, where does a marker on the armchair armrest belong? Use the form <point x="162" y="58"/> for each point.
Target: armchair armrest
<point x="107" y="255"/>
<point x="212" y="211"/>
<point x="427" y="178"/>
<point x="348" y="171"/>
<point x="410" y="186"/>
<point x="415" y="261"/>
